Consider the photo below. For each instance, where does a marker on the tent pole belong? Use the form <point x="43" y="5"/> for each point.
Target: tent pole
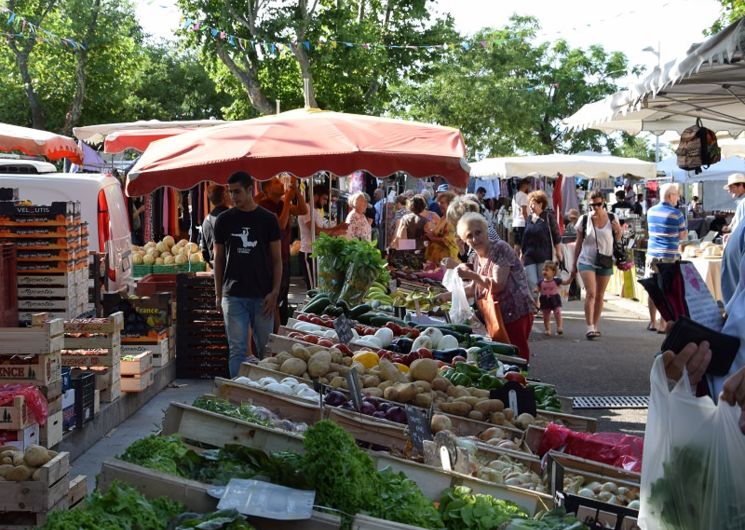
<point x="312" y="265"/>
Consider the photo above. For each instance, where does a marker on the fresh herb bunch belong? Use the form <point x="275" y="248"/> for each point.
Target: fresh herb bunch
<point x="168" y="454"/>
<point x="244" y="411"/>
<point x="219" y="520"/>
<point x="556" y="519"/>
<point x="121" y="507"/>
<point x="460" y="509"/>
<point x="405" y="503"/>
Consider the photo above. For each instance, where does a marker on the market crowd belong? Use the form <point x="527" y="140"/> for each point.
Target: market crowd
<point x="512" y="275"/>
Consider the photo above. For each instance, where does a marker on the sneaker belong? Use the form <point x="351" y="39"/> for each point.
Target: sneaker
<point x="252" y="359"/>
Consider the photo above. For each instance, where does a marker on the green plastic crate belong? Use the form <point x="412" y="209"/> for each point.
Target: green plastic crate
<point x="164" y="269"/>
<point x="138" y="271"/>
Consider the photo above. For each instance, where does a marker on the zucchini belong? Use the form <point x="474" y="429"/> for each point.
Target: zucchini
<point x="317" y="304"/>
<point x="366" y="318"/>
<point x="381" y="320"/>
<point x="344" y="306"/>
<point x="332" y="311"/>
<point x="359" y="310"/>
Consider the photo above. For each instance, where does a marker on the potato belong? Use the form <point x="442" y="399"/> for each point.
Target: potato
<point x="440" y="383"/>
<point x="346" y="361"/>
<point x="497" y="418"/>
<point x="370" y="380"/>
<point x="423" y="386"/>
<point x="524" y="420"/>
<point x="440" y="423"/>
<point x="479" y="393"/>
<point x="385" y="384"/>
<point x="458" y="408"/>
<point x="476" y="415"/>
<point x="331" y="375"/>
<point x="36" y="456"/>
<point x="509" y="414"/>
<point x="372" y="391"/>
<point x="338" y="382"/>
<point x="391" y="393"/>
<point x="389" y="372"/>
<point x="336" y="355"/>
<point x="361" y="370"/>
<point x="468" y="399"/>
<point x="293" y="366"/>
<point x="282" y="357"/>
<point x="4" y="468"/>
<point x="325" y="380"/>
<point x="406" y="392"/>
<point x="314" y="348"/>
<point x="19" y="473"/>
<point x="423" y="399"/>
<point x="423" y="370"/>
<point x="441" y="395"/>
<point x="457" y="391"/>
<point x="17" y="458"/>
<point x="487" y="406"/>
<point x="492" y="432"/>
<point x="270" y="364"/>
<point x="341" y="368"/>
<point x="299" y="351"/>
<point x="319" y="364"/>
<point x="36" y="475"/>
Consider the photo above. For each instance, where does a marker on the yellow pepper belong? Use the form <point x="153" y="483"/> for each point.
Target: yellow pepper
<point x="402" y="367"/>
<point x="367" y="359"/>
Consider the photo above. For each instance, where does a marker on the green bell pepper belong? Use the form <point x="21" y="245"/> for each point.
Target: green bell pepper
<point x="460" y="379"/>
<point x="489" y="382"/>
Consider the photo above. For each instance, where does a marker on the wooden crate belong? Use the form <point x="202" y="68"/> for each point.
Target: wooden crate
<point x="284" y="406"/>
<point x="371" y="430"/>
<point x="194" y="495"/>
<point x="217" y="430"/>
<point x="21" y="438"/>
<point x="14" y="415"/>
<point x="90" y="358"/>
<point x="137" y="383"/>
<point x="141" y="363"/>
<point x="47" y="280"/>
<point x="48" y="292"/>
<point x="574" y="422"/>
<point x="78" y="492"/>
<point x="39" y="369"/>
<point x="106" y="376"/>
<point x="43" y="340"/>
<point x="41" y="495"/>
<point x="112" y="393"/>
<point x="50" y="434"/>
<point x="114" y="323"/>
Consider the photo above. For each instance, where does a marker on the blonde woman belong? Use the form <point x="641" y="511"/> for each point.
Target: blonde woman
<point x="442" y="236"/>
<point x="359" y="226"/>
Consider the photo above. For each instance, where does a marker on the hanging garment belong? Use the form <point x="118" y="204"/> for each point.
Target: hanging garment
<point x="569" y="194"/>
<point x="556" y="201"/>
<point x="734" y="251"/>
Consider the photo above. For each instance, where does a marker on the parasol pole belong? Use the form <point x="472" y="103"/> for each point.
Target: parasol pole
<point x="312" y="266"/>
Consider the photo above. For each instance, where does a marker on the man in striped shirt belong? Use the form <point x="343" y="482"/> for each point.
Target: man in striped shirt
<point x="666" y="226"/>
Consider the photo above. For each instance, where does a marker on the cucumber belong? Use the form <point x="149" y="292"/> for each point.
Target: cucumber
<point x="332" y="311"/>
<point x="359" y="310"/>
<point x="366" y="318"/>
<point x="317" y="304"/>
<point x="344" y="306"/>
<point x="381" y="320"/>
<point x="460" y="328"/>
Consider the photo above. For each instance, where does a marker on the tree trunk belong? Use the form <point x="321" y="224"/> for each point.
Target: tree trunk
<point x="309" y="90"/>
<point x="249" y="78"/>
<point x="81" y="58"/>
<point x="37" y="113"/>
<point x="361" y="11"/>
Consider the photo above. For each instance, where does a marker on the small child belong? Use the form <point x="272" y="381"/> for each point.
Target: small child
<point x="549" y="298"/>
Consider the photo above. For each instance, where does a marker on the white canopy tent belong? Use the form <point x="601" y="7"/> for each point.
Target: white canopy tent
<point x="586" y="164"/>
<point x="708" y="83"/>
<point x="96" y="134"/>
<point x="716" y="172"/>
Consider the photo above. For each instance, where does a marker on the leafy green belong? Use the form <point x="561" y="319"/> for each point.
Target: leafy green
<point x="556" y="519"/>
<point x="244" y="411"/>
<point x="163" y="453"/>
<point x="462" y="510"/>
<point x="121" y="507"/>
<point x="222" y="519"/>
<point x="405" y="503"/>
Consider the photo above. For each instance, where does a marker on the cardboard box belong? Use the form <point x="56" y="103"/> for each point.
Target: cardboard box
<point x="68" y="398"/>
<point x="144" y="318"/>
<point x="68" y="418"/>
<point x="55" y="214"/>
<point x="21" y="438"/>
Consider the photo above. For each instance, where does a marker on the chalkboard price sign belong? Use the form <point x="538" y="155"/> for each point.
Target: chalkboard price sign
<point x="420" y="428"/>
<point x="343" y="327"/>
<point x="487" y="360"/>
<point x="353" y="384"/>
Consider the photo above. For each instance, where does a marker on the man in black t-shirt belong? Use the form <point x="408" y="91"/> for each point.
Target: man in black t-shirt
<point x="248" y="270"/>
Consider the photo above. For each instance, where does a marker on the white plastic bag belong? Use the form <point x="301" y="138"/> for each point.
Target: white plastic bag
<point x="460" y="311"/>
<point x="693" y="470"/>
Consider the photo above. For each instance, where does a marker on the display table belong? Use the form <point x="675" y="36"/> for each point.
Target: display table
<point x="710" y="270"/>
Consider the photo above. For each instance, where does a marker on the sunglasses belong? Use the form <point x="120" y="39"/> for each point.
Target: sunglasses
<point x="596" y="204"/>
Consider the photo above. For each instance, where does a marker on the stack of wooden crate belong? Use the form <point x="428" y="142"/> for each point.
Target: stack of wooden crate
<point x="137" y="372"/>
<point x="52" y="257"/>
<point x="34" y="356"/>
<point x="27" y="504"/>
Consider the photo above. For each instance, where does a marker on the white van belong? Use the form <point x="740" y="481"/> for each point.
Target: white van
<point x="102" y="206"/>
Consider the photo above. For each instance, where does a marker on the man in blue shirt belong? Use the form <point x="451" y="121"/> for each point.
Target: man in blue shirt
<point x="433" y="205"/>
<point x="667" y="227"/>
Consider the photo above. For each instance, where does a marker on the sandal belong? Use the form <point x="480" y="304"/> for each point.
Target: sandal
<point x="596" y="333"/>
<point x="559" y="331"/>
<point x="547" y="332"/>
<point x="590" y="335"/>
<point x="650" y="327"/>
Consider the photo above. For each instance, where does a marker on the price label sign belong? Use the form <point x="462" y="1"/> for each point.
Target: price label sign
<point x="343" y="327"/>
<point x="516" y="397"/>
<point x="420" y="428"/>
<point x="487" y="361"/>
<point x="355" y="389"/>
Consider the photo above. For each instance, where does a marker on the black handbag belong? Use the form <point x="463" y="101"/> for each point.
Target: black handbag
<point x="603" y="261"/>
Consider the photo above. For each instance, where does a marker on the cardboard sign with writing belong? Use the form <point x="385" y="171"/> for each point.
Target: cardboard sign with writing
<point x="343" y="327"/>
<point x="487" y="360"/>
<point x="420" y="428"/>
<point x="516" y="397"/>
<point x="355" y="389"/>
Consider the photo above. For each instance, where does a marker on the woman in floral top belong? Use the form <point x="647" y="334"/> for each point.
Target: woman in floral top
<point x="495" y="267"/>
<point x="359" y="225"/>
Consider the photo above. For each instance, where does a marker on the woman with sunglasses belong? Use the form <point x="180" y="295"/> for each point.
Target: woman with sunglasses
<point x="595" y="231"/>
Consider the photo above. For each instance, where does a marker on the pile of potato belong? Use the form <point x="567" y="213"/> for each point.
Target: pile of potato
<point x="166" y="252"/>
<point x="512" y="472"/>
<point x="421" y="386"/>
<point x="17" y="466"/>
<point x="609" y="491"/>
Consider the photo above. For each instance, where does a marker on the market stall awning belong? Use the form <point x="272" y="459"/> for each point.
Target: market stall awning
<point x="95" y="134"/>
<point x="589" y="165"/>
<point x="716" y="172"/>
<point x="39" y="143"/>
<point x="707" y="83"/>
<point x="138" y="139"/>
<point x="301" y="142"/>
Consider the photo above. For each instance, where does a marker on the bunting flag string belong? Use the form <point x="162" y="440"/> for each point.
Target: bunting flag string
<point x="22" y="28"/>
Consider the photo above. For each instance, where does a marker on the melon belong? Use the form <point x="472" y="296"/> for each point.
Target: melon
<point x="168" y="240"/>
<point x="148" y="259"/>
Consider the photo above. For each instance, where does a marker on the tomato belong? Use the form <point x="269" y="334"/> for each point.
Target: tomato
<point x="343" y="348"/>
<point x="412" y="333"/>
<point x="316" y="320"/>
<point x="395" y="328"/>
<point x="458" y="359"/>
<point x="304" y="317"/>
<point x="441" y="364"/>
<point x="326" y="343"/>
<point x="515" y="377"/>
<point x="295" y="335"/>
<point x="424" y="353"/>
<point x="311" y="338"/>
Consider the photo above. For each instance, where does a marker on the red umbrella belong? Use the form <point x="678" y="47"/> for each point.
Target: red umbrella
<point x="138" y="139"/>
<point x="302" y="142"/>
<point x="35" y="142"/>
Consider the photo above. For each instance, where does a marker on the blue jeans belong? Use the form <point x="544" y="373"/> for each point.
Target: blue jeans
<point x="534" y="273"/>
<point x="240" y="314"/>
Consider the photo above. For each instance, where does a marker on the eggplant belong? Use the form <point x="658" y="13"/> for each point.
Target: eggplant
<point x="447" y="355"/>
<point x="348" y="405"/>
<point x="384" y="406"/>
<point x="374" y="401"/>
<point x="379" y="414"/>
<point x="367" y="408"/>
<point x="396" y="413"/>
<point x="335" y="398"/>
<point x="402" y="345"/>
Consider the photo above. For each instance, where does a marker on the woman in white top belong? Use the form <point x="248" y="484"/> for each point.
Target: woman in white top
<point x="595" y="231"/>
<point x="359" y="226"/>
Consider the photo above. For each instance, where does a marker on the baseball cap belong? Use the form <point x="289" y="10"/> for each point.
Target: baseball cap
<point x="735" y="178"/>
<point x="442" y="187"/>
